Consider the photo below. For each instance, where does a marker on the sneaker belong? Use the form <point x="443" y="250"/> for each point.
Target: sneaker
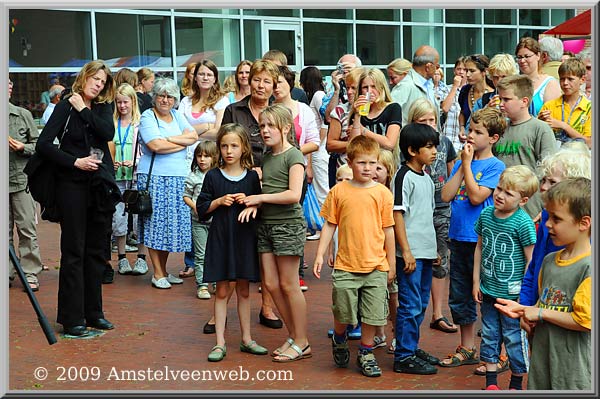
<point x="131" y="240"/>
<point x="203" y="293"/>
<point x="492" y="388"/>
<point x="341" y="353"/>
<point x="379" y="341"/>
<point x="130" y="248"/>
<point x="161" y="283"/>
<point x="108" y="275"/>
<point x="174" y="280"/>
<point x="414" y="365"/>
<point x="420" y="353"/>
<point x="368" y="365"/>
<point x="354" y="332"/>
<point x="140" y="267"/>
<point x="303" y="285"/>
<point x="314" y="237"/>
<point x="124" y="266"/>
<point x="392" y="347"/>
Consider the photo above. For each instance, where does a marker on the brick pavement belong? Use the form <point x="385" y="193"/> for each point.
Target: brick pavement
<point x="157" y="329"/>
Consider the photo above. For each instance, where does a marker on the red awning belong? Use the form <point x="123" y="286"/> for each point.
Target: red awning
<point x="579" y="25"/>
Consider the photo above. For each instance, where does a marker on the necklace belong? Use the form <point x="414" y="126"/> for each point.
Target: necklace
<point x="472" y="96"/>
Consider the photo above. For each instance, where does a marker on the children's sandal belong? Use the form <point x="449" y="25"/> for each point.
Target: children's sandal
<point x="462" y="357"/>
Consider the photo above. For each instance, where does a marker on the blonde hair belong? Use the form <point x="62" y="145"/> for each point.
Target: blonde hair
<point x="282" y="118"/>
<point x="503" y="63"/>
<point x="380" y="84"/>
<point x="387" y="159"/>
<point x="186" y="83"/>
<point x="419" y="108"/>
<point x="569" y="161"/>
<point x="491" y="119"/>
<point x="128" y="91"/>
<point x="576" y="193"/>
<point x="400" y="66"/>
<point x="345" y="168"/>
<point x="238" y="130"/>
<point x="520" y="178"/>
<point x="229" y="84"/>
<point x="107" y="95"/>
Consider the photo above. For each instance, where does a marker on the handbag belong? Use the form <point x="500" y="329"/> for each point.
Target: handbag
<point x="138" y="202"/>
<point x="41" y="181"/>
<point x="311" y="208"/>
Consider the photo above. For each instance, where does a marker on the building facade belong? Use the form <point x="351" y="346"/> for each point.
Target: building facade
<point x="46" y="43"/>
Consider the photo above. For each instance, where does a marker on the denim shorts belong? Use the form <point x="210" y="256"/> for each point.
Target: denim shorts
<point x="461" y="303"/>
<point x="285" y="239"/>
<point x="441" y="222"/>
<point x="497" y="329"/>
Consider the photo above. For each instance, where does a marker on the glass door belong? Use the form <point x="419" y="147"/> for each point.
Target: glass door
<point x="286" y="37"/>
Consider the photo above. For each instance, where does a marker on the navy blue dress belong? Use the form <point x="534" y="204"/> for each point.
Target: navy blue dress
<point x="231" y="246"/>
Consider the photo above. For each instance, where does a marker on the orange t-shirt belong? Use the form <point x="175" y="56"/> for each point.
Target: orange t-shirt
<point x="361" y="214"/>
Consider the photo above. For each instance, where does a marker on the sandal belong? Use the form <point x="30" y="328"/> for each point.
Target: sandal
<point x="217" y="353"/>
<point x="299" y="355"/>
<point x="341" y="353"/>
<point x="368" y="365"/>
<point x="379" y="342"/>
<point x="34" y="286"/>
<point x="462" y="357"/>
<point x="392" y="347"/>
<point x="187" y="272"/>
<point x="437" y="325"/>
<point x="501" y="367"/>
<point x="289" y="341"/>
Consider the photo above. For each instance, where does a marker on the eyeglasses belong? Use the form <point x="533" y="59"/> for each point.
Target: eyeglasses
<point x="437" y="66"/>
<point x="524" y="57"/>
<point x="207" y="75"/>
<point x="165" y="97"/>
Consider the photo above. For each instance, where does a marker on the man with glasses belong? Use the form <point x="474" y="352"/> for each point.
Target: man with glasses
<point x="22" y="138"/>
<point x="418" y="83"/>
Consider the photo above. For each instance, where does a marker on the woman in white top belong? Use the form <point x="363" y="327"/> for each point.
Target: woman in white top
<point x="205" y="107"/>
<point x="545" y="87"/>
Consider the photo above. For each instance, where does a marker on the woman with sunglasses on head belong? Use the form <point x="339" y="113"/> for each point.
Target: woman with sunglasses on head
<point x="477" y="85"/>
<point x="545" y="87"/>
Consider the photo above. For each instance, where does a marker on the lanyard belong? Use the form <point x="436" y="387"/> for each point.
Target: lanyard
<point x="570" y="113"/>
<point x="122" y="140"/>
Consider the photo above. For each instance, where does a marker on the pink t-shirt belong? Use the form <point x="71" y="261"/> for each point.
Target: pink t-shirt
<point x="297" y="127"/>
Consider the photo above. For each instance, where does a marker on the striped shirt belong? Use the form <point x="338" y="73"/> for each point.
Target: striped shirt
<point x="503" y="259"/>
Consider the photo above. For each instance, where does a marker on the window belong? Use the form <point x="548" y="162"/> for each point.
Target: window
<point x="252" y="44"/>
<point x="500" y="17"/>
<point x="272" y="13"/>
<point x="324" y="44"/>
<point x="422" y="15"/>
<point x="533" y="17"/>
<point x="378" y="15"/>
<point x="213" y="38"/>
<point x="560" y="16"/>
<point x="332" y="14"/>
<point x="30" y="43"/>
<point x="464" y="16"/>
<point x="462" y="41"/>
<point x="415" y="36"/>
<point x="220" y="11"/>
<point x="500" y="41"/>
<point x="140" y="40"/>
<point x="377" y="44"/>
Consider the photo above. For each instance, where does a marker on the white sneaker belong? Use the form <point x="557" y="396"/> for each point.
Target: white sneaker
<point x="124" y="266"/>
<point x="203" y="293"/>
<point x="139" y="267"/>
<point x="314" y="237"/>
<point x="130" y="248"/>
<point x="161" y="283"/>
<point x="174" y="280"/>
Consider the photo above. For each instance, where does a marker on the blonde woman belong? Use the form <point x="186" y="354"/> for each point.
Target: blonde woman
<point x="188" y="81"/>
<point x="397" y="70"/>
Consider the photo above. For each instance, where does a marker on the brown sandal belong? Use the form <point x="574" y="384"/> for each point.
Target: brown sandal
<point x="462" y="357"/>
<point x="501" y="367"/>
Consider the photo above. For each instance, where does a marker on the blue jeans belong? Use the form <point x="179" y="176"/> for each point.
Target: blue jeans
<point x="413" y="298"/>
<point x="461" y="303"/>
<point x="498" y="328"/>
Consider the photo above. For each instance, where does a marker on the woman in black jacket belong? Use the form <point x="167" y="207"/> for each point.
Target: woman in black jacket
<point x="83" y="124"/>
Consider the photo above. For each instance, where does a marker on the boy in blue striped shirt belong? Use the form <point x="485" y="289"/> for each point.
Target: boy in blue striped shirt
<point x="506" y="237"/>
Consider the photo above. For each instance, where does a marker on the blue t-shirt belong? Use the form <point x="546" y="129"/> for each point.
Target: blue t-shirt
<point x="173" y="164"/>
<point x="464" y="214"/>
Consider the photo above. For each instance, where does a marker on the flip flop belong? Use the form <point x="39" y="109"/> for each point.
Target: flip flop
<point x="436" y="325"/>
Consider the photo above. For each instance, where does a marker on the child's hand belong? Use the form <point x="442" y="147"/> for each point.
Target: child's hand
<point x="477" y="295"/>
<point x="544" y="115"/>
<point x="391" y="275"/>
<point x="227" y="200"/>
<point x="239" y="198"/>
<point x="253" y="200"/>
<point x="531" y="314"/>
<point x="330" y="260"/>
<point x="466" y="155"/>
<point x="246" y="214"/>
<point x="410" y="264"/>
<point x="127" y="164"/>
<point x="117" y="165"/>
<point x="526" y="326"/>
<point x="437" y="261"/>
<point x="510" y="308"/>
<point x="317" y="266"/>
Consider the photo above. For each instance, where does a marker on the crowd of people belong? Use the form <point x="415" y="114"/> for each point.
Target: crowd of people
<point x="484" y="182"/>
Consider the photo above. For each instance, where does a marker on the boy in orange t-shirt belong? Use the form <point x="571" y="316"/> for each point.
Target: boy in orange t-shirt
<point x="362" y="210"/>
